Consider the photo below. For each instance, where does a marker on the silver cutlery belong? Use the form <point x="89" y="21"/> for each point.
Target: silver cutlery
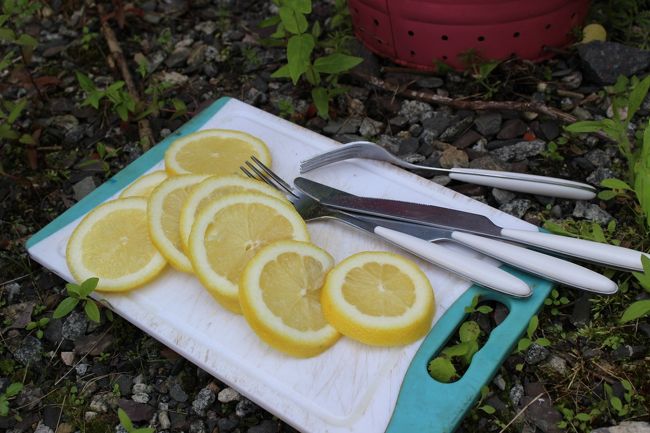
<point x="595" y="252"/>
<point x="466" y="267"/>
<point x="536" y="263"/>
<point x="528" y="183"/>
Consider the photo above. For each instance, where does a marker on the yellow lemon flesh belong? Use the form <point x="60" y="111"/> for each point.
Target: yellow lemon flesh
<point x="228" y="232"/>
<point x="280" y="292"/>
<point x="214" y="152"/>
<point x="144" y="185"/>
<point x="379" y="298"/>
<point x="112" y="243"/>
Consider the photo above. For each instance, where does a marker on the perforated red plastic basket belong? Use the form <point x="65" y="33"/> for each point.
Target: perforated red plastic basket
<point x="421" y="33"/>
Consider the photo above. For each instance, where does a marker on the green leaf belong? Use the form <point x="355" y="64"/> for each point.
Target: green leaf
<point x="442" y="370"/>
<point x="92" y="311"/>
<point x="4" y="406"/>
<point x="532" y="326"/>
<point x="30" y="326"/>
<point x="583" y="417"/>
<point x="488" y="409"/>
<point x="644" y="278"/>
<point x="283" y="72"/>
<point x="615" y="184"/>
<point x="123" y="112"/>
<point x="124" y="419"/>
<point x="636" y="310"/>
<point x="86" y="83"/>
<point x="88" y="286"/>
<point x="456" y="350"/>
<point x="16" y="110"/>
<point x="27" y="139"/>
<point x="598" y="233"/>
<point x="294" y="21"/>
<point x="336" y="63"/>
<point x="585" y="126"/>
<point x="543" y="342"/>
<point x="469" y="331"/>
<point x="14" y="389"/>
<point x="607" y="194"/>
<point x="270" y="21"/>
<point x="316" y="30"/>
<point x="302" y="6"/>
<point x="73" y="289"/>
<point x="65" y="307"/>
<point x="299" y="49"/>
<point x="523" y="344"/>
<point x="616" y="403"/>
<point x="7" y="35"/>
<point x="485" y="309"/>
<point x="637" y="96"/>
<point x="321" y="100"/>
<point x="26" y="40"/>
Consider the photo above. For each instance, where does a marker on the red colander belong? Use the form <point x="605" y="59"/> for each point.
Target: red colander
<point x="421" y="33"/>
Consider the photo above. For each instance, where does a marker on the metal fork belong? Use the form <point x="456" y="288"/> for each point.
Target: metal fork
<point x="533" y="184"/>
<point x="466" y="267"/>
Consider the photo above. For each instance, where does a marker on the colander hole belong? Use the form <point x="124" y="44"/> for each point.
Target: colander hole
<point x="547" y="26"/>
<point x="410" y="32"/>
<point x="444" y="37"/>
<point x="573" y="15"/>
<point x="481" y="38"/>
<point x="375" y="21"/>
<point x="444" y="57"/>
<point x="412" y="52"/>
<point x="356" y="11"/>
<point x="516" y="34"/>
<point x="362" y="29"/>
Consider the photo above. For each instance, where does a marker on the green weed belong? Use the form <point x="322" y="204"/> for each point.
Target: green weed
<point x="79" y="293"/>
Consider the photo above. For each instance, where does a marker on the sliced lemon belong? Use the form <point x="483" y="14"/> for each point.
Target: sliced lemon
<point x="229" y="231"/>
<point x="214" y="187"/>
<point x="379" y="298"/>
<point x="280" y="292"/>
<point x="214" y="151"/>
<point x="164" y="213"/>
<point x="144" y="185"/>
<point x="112" y="243"/>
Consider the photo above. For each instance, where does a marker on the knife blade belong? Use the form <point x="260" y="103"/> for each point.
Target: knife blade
<point x="533" y="262"/>
<point x="595" y="252"/>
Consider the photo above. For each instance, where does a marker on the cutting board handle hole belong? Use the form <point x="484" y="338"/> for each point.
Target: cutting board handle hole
<point x="450" y="363"/>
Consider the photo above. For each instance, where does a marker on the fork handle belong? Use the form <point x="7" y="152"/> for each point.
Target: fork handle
<point x="459" y="264"/>
<point x="528" y="183"/>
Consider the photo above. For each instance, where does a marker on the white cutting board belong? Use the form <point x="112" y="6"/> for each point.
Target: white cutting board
<point x="349" y="388"/>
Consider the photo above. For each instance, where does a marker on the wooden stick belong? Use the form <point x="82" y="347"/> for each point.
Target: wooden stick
<point x="144" y="128"/>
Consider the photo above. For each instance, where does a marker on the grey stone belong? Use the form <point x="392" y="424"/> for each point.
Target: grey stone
<point x="125" y="382"/>
<point x="66" y="122"/>
<point x="600" y="174"/>
<point x="520" y="150"/>
<point x="502" y="196"/>
<point x="581" y="311"/>
<point x="348" y="126"/>
<point x="499" y="382"/>
<point x="226" y="425"/>
<point x="99" y="403"/>
<point x="163" y="420"/>
<point x="457" y="127"/>
<point x="245" y="407"/>
<point x="487" y="163"/>
<point x="536" y="354"/>
<point x="599" y="158"/>
<point x="198" y="426"/>
<point x="178" y="57"/>
<point x="516" y="394"/>
<point x="227" y="395"/>
<point x="415" y="111"/>
<point x="74" y="325"/>
<point x="29" y="351"/>
<point x="266" y="426"/>
<point x="430" y="82"/>
<point x="197" y="56"/>
<point x="517" y="207"/>
<point x="452" y="157"/>
<point x="512" y="128"/>
<point x="582" y="113"/>
<point x="627" y="351"/>
<point x="389" y="143"/>
<point x="203" y="400"/>
<point x="138" y="412"/>
<point x="467" y="139"/>
<point x="141" y="397"/>
<point x="398" y="122"/>
<point x="43" y="428"/>
<point x="557" y="364"/>
<point x="177" y="393"/>
<point x="81" y="368"/>
<point x="602" y="61"/>
<point x="591" y="212"/>
<point x="437" y="123"/>
<point x="18" y="315"/>
<point x="84" y="187"/>
<point x="488" y="123"/>
<point x="408" y="146"/>
<point x="556" y="211"/>
<point x="626" y="427"/>
<point x="370" y="127"/>
<point x="415" y="130"/>
<point x="413" y="158"/>
<point x="550" y="129"/>
<point x="255" y="97"/>
<point x="206" y="27"/>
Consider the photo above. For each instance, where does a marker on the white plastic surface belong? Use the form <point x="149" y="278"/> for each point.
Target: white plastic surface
<point x="472" y="269"/>
<point x="528" y="183"/>
<point x="545" y="266"/>
<point x="609" y="255"/>
<point x="349" y="388"/>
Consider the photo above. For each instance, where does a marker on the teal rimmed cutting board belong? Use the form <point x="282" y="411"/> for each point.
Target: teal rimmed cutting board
<point x="351" y="387"/>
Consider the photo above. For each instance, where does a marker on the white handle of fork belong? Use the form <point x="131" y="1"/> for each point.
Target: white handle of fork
<point x="472" y="269"/>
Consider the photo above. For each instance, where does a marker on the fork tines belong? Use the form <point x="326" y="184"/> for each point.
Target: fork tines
<point x="265" y="174"/>
<point x="328" y="157"/>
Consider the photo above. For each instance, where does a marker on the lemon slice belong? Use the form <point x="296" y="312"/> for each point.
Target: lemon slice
<point x="112" y="243"/>
<point x="144" y="185"/>
<point x="229" y="231"/>
<point x="164" y="212"/>
<point x="214" y="187"/>
<point x="379" y="298"/>
<point x="280" y="292"/>
<point x="214" y="151"/>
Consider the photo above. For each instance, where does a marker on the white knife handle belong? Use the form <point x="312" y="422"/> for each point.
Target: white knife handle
<point x="529" y="183"/>
<point x="543" y="265"/>
<point x="609" y="255"/>
<point x="467" y="267"/>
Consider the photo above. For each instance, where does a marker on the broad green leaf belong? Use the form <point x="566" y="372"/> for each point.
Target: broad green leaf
<point x="26" y="40"/>
<point x="637" y="96"/>
<point x="336" y="63"/>
<point x="532" y="326"/>
<point x="123" y="112"/>
<point x="316" y="30"/>
<point x="557" y="229"/>
<point x="293" y="21"/>
<point x="543" y="342"/>
<point x="30" y="326"/>
<point x="7" y="35"/>
<point x="469" y="331"/>
<point x="615" y="184"/>
<point x="90" y="284"/>
<point x="636" y="310"/>
<point x="485" y="309"/>
<point x="270" y="21"/>
<point x="313" y="77"/>
<point x="523" y="344"/>
<point x="303" y="6"/>
<point x="86" y="83"/>
<point x="7" y="132"/>
<point x="73" y="289"/>
<point x="472" y="349"/>
<point x="607" y="194"/>
<point x="616" y="402"/>
<point x="455" y="350"/>
<point x="16" y="110"/>
<point x="14" y="389"/>
<point x="598" y="233"/>
<point x="299" y="50"/>
<point x="27" y="139"/>
<point x="442" y="370"/>
<point x="283" y="72"/>
<point x="92" y="311"/>
<point x="4" y="406"/>
<point x="585" y="126"/>
<point x="124" y="419"/>
<point x="583" y="417"/>
<point x="321" y="100"/>
<point x="488" y="409"/>
<point x="115" y="86"/>
<point x="65" y="307"/>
